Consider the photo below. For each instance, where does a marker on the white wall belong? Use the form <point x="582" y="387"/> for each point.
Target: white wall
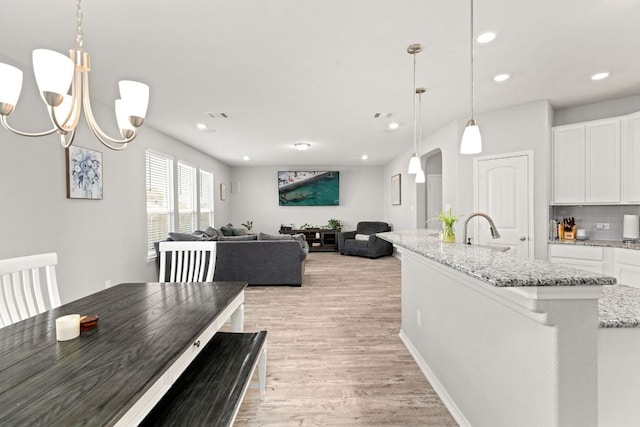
<point x="257" y="200"/>
<point x="519" y="128"/>
<point x="597" y="110"/>
<point x="96" y="240"/>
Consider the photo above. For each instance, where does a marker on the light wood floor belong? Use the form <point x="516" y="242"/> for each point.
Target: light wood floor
<point x="334" y="355"/>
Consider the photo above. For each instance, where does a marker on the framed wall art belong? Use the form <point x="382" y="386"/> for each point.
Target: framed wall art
<point x="223" y="192"/>
<point x="396" y="197"/>
<point x="84" y="173"/>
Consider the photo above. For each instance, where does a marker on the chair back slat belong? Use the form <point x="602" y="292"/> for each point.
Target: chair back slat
<point x="189" y="261"/>
<point x="23" y="293"/>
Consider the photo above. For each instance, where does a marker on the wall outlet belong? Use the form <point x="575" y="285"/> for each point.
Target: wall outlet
<point x="602" y="226"/>
<point x="419" y="318"/>
<point x="108" y="284"/>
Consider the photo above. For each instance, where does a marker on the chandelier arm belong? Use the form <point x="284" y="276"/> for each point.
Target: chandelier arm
<point x="8" y="127"/>
<point x="63" y="138"/>
<point x="75" y="110"/>
<point x="120" y="144"/>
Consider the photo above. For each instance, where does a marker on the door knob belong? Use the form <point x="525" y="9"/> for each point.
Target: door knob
<point x="522" y="238"/>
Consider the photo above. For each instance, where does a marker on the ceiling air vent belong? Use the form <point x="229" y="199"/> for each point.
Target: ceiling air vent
<point x="382" y="115"/>
<point x="218" y="115"/>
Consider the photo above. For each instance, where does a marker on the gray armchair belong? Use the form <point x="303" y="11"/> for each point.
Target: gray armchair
<point x="371" y="246"/>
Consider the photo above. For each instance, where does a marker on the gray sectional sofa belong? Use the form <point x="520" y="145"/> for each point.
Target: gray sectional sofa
<point x="259" y="259"/>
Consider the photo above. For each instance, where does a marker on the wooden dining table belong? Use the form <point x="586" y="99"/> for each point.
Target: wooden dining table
<point x="147" y="335"/>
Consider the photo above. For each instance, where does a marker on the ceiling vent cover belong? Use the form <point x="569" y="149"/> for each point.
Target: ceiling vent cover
<point x="218" y="115"/>
<point x="382" y="115"/>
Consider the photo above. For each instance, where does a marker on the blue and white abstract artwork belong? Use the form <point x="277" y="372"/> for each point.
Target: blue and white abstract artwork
<point x="84" y="173"/>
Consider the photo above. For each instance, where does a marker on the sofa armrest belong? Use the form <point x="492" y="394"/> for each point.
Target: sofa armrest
<point x="342" y="236"/>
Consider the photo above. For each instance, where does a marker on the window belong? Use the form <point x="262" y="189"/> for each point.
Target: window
<point x="206" y="200"/>
<point x="159" y="185"/>
<point x="187" y="212"/>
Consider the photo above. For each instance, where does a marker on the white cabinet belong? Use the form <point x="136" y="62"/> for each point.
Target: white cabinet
<point x="586" y="162"/>
<point x="589" y="258"/>
<point x="569" y="164"/>
<point x="631" y="159"/>
<point x="626" y="267"/>
<point x="602" y="155"/>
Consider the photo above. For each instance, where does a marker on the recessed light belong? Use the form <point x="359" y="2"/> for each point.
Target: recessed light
<point x="393" y="126"/>
<point x="302" y="146"/>
<point x="600" y="76"/>
<point x="201" y="126"/>
<point x="486" y="37"/>
<point x="364" y="157"/>
<point x="501" y="77"/>
<point x="246" y="158"/>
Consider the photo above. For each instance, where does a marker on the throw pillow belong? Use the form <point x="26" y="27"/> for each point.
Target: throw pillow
<point x="212" y="232"/>
<point x="362" y="237"/>
<point x="237" y="238"/>
<point x="265" y="236"/>
<point x="226" y="230"/>
<point x="184" y="237"/>
<point x="239" y="231"/>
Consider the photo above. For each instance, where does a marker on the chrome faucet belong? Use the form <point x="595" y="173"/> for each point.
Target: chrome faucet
<point x="492" y="227"/>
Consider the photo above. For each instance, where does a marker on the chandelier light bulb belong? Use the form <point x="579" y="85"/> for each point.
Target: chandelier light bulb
<point x="10" y="85"/>
<point x="54" y="73"/>
<point x="136" y="95"/>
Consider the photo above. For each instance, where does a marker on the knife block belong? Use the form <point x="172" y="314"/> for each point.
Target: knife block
<point x="570" y="235"/>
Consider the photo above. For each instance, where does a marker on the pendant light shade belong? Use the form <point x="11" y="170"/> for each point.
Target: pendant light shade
<point x="471" y="141"/>
<point x="10" y="86"/>
<point x="414" y="164"/>
<point x="420" y="178"/>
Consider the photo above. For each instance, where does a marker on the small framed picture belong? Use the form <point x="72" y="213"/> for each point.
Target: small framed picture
<point x="396" y="197"/>
<point x="223" y="191"/>
<point x="84" y="173"/>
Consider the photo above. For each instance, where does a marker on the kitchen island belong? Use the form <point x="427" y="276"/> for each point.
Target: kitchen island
<point x="504" y="341"/>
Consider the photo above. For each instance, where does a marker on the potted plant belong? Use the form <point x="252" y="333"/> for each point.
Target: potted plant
<point x="334" y="224"/>
<point x="448" y="219"/>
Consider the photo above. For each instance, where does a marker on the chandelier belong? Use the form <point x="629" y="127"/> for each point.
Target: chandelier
<point x="63" y="83"/>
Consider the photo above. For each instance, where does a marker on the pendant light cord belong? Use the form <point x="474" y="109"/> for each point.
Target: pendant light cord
<point x="415" y="117"/>
<point x="471" y="50"/>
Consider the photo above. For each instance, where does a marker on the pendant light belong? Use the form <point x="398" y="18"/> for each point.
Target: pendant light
<point x="420" y="178"/>
<point x="414" y="163"/>
<point x="471" y="139"/>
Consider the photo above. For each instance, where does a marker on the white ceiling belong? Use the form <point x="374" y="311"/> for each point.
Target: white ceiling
<point x="318" y="70"/>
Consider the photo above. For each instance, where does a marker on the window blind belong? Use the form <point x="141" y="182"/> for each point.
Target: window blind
<point x="187" y="213"/>
<point x="206" y="200"/>
<point x="159" y="184"/>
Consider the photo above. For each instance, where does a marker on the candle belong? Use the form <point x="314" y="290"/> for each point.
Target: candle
<point x="67" y="327"/>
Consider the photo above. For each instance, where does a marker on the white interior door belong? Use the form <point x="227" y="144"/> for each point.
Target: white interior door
<point x="504" y="192"/>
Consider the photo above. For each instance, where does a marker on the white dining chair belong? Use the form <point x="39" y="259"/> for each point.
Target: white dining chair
<point x="189" y="261"/>
<point x="28" y="287"/>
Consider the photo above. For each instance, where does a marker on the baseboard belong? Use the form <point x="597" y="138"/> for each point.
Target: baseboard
<point x="433" y="380"/>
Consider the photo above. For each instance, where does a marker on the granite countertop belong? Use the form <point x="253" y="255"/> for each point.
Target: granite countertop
<point x="619" y="307"/>
<point x="496" y="268"/>
<point x="600" y="243"/>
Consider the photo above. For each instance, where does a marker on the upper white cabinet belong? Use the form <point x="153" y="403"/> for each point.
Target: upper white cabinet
<point x="586" y="162"/>
<point x="631" y="158"/>
<point x="569" y="163"/>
